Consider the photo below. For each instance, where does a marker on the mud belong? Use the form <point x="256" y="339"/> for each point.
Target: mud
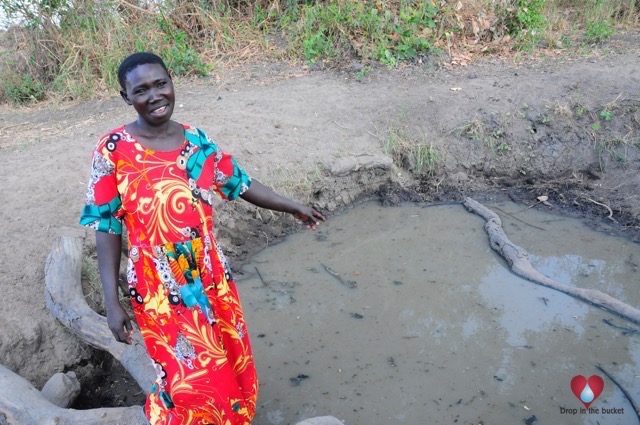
<point x="567" y="128"/>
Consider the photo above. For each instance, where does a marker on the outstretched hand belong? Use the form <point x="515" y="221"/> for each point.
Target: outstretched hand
<point x="309" y="216"/>
<point x="263" y="197"/>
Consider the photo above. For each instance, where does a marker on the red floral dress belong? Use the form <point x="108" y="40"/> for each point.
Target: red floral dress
<point x="181" y="288"/>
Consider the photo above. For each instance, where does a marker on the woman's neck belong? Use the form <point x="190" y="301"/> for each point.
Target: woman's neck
<point x="167" y="136"/>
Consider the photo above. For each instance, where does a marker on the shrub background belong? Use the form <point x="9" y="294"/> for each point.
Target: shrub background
<point x="70" y="49"/>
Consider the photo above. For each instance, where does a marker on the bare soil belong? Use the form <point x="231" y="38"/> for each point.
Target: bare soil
<point x="567" y="128"/>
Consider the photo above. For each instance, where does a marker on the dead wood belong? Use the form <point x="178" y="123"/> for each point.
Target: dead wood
<point x="66" y="302"/>
<point x="22" y="404"/>
<point x="518" y="261"/>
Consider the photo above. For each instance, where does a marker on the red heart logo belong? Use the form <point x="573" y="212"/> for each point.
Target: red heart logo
<point x="587" y="390"/>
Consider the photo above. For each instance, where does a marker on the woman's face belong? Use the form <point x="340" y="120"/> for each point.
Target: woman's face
<point x="150" y="90"/>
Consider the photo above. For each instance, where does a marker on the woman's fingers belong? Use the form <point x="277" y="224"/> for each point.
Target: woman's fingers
<point x="120" y="324"/>
<point x="318" y="215"/>
<point x="310" y="217"/>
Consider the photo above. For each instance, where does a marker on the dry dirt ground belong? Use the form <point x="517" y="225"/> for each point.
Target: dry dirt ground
<point x="567" y="128"/>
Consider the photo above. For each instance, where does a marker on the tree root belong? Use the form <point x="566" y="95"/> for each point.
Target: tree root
<point x="518" y="261"/>
<point x="22" y="404"/>
<point x="65" y="301"/>
<point x="610" y="216"/>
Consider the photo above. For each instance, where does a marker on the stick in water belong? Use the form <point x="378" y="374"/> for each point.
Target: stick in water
<point x="518" y="261"/>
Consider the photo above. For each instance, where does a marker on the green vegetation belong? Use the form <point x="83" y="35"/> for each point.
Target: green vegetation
<point x="22" y="88"/>
<point x="598" y="31"/>
<point x="615" y="149"/>
<point x="364" y="71"/>
<point x="606" y="114"/>
<point x="526" y="21"/>
<point x="297" y="182"/>
<point x="503" y="148"/>
<point x="492" y="136"/>
<point x="475" y="130"/>
<point x="410" y="153"/>
<point x="427" y="159"/>
<point x="70" y="49"/>
<point x="324" y="31"/>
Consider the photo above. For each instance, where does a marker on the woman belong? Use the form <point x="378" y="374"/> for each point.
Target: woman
<point x="159" y="177"/>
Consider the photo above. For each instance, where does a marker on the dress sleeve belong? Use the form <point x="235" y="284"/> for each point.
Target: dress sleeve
<point x="231" y="179"/>
<point x="103" y="207"/>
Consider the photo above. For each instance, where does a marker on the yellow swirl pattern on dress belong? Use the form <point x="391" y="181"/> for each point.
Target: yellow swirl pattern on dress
<point x="157" y="303"/>
<point x="242" y="362"/>
<point x="156" y="348"/>
<point x="171" y="199"/>
<point x="207" y="346"/>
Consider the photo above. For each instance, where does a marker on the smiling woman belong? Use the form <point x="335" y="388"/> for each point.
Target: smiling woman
<point x="159" y="177"/>
<point x="149" y="89"/>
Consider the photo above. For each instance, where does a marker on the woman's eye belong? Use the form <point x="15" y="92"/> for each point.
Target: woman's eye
<point x="162" y="83"/>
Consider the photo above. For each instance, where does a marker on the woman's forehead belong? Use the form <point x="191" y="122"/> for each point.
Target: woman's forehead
<point x="145" y="73"/>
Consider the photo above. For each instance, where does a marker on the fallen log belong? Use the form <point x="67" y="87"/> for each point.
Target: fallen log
<point x="518" y="260"/>
<point x="66" y="302"/>
<point x="22" y="404"/>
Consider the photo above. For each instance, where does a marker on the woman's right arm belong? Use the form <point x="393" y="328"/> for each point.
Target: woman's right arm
<point x="108" y="246"/>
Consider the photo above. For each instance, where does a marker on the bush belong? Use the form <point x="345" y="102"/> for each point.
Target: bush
<point x="597" y="32"/>
<point x="72" y="47"/>
<point x="22" y="88"/>
<point x="525" y="20"/>
<point x="371" y="32"/>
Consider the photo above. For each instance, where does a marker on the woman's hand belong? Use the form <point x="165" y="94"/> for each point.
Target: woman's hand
<point x="120" y="324"/>
<point x="108" y="247"/>
<point x="309" y="216"/>
<point x="263" y="197"/>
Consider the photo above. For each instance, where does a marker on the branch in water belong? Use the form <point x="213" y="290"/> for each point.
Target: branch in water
<point x="518" y="260"/>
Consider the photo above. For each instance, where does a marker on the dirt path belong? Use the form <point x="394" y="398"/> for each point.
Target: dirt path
<point x="569" y="130"/>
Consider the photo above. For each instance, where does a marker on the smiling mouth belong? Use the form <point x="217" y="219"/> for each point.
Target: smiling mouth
<point x="159" y="111"/>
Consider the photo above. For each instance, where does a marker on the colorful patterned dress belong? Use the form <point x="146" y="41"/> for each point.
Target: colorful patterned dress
<point x="181" y="288"/>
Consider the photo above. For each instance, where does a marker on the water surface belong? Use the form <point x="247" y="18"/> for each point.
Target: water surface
<point x="404" y="315"/>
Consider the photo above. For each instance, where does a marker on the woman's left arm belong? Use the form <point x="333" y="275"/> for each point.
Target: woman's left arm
<point x="263" y="197"/>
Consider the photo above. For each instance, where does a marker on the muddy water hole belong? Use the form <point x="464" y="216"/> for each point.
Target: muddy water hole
<point x="404" y="315"/>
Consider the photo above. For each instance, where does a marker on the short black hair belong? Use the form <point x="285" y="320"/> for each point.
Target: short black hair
<point x="133" y="61"/>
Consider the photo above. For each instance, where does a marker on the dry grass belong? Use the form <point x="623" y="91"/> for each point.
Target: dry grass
<point x="410" y="152"/>
<point x="297" y="182"/>
<point x="73" y="52"/>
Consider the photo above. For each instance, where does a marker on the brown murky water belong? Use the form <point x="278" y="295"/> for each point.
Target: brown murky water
<point x="406" y="316"/>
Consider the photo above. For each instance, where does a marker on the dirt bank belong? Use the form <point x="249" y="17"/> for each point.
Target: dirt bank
<point x="567" y="129"/>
